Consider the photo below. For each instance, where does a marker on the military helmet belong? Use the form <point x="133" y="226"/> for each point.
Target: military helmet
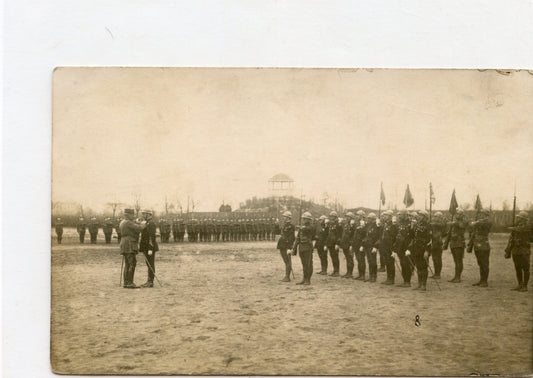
<point x="423" y="213"/>
<point x="307" y="215"/>
<point x="333" y="214"/>
<point x="460" y="212"/>
<point x="438" y="214"/>
<point x="322" y="217"/>
<point x="523" y="215"/>
<point x="360" y="212"/>
<point x="350" y="214"/>
<point x="148" y="212"/>
<point x="371" y="216"/>
<point x="287" y="214"/>
<point x="388" y="212"/>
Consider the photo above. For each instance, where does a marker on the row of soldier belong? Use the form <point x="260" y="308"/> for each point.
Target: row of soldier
<point x="197" y="230"/>
<point x="404" y="242"/>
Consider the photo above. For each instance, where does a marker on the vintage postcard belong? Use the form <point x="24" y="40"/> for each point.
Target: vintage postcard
<point x="285" y="221"/>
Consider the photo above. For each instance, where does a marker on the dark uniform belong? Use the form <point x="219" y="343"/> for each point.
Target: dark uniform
<point x="149" y="244"/>
<point x="108" y="230"/>
<point x="346" y="242"/>
<point x="59" y="230"/>
<point x="175" y="229"/>
<point x="81" y="228"/>
<point x="456" y="241"/>
<point x="320" y="245"/>
<point x="370" y="245"/>
<point x="333" y="239"/>
<point x="357" y="246"/>
<point x="388" y="237"/>
<point x="438" y="231"/>
<point x="93" y="230"/>
<point x="479" y="242"/>
<point x="304" y="243"/>
<point x="181" y="230"/>
<point x="519" y="248"/>
<point x="286" y="242"/>
<point x="128" y="246"/>
<point x="117" y="229"/>
<point x="401" y="245"/>
<point x="420" y="247"/>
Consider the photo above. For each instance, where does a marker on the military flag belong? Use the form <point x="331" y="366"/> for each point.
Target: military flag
<point x="382" y="195"/>
<point x="431" y="195"/>
<point x="478" y="206"/>
<point x="408" y="199"/>
<point x="453" y="204"/>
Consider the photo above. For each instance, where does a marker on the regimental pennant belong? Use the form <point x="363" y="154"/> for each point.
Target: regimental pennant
<point x="478" y="206"/>
<point x="382" y="195"/>
<point x="408" y="199"/>
<point x="431" y="194"/>
<point x="453" y="204"/>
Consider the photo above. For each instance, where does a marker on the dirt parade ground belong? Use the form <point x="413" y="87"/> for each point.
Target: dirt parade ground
<point x="223" y="310"/>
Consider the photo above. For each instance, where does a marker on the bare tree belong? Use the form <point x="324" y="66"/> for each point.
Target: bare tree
<point x="137" y="203"/>
<point x="114" y="205"/>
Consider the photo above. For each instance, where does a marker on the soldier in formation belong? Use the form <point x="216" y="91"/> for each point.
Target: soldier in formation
<point x="117" y="229"/>
<point x="59" y="230"/>
<point x="388" y="237"/>
<point x="348" y="230"/>
<point x="401" y="245"/>
<point x="357" y="245"/>
<point x="519" y="249"/>
<point x="93" y="229"/>
<point x="479" y="242"/>
<point x="285" y="243"/>
<point x="420" y="248"/>
<point x="108" y="230"/>
<point x="333" y="238"/>
<point x="370" y="246"/>
<point x="456" y="241"/>
<point x="320" y="244"/>
<point x="438" y="231"/>
<point x="81" y="227"/>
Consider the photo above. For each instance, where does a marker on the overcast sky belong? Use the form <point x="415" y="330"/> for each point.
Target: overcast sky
<point x="220" y="134"/>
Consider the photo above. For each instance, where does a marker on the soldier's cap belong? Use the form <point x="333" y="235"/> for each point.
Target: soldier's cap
<point x="360" y="212"/>
<point x="333" y="214"/>
<point x="322" y="217"/>
<point x="307" y="215"/>
<point x="388" y="212"/>
<point x="129" y="211"/>
<point x="287" y="214"/>
<point x="147" y="212"/>
<point x="523" y="215"/>
<point x="371" y="216"/>
<point x="350" y="214"/>
<point x="438" y="214"/>
<point x="403" y="212"/>
<point x="423" y="212"/>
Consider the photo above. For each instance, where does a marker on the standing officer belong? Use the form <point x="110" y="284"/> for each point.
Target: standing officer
<point x="93" y="230"/>
<point x="438" y="229"/>
<point x="370" y="245"/>
<point x="304" y="241"/>
<point x="129" y="230"/>
<point x="388" y="237"/>
<point x="479" y="242"/>
<point x="420" y="248"/>
<point x="81" y="227"/>
<point x="401" y="244"/>
<point x="181" y="230"/>
<point x="108" y="230"/>
<point x="175" y="229"/>
<point x="59" y="230"/>
<point x="148" y="246"/>
<point x="333" y="239"/>
<point x="286" y="242"/>
<point x="346" y="242"/>
<point x="519" y="248"/>
<point x="456" y="241"/>
<point x="320" y="245"/>
<point x="357" y="246"/>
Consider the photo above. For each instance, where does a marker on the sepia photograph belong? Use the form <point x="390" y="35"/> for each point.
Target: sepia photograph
<point x="291" y="221"/>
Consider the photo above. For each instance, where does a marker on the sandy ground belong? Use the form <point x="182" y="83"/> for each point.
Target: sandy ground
<point x="223" y="310"/>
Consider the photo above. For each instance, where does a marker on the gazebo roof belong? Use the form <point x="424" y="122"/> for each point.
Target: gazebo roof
<point x="281" y="177"/>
